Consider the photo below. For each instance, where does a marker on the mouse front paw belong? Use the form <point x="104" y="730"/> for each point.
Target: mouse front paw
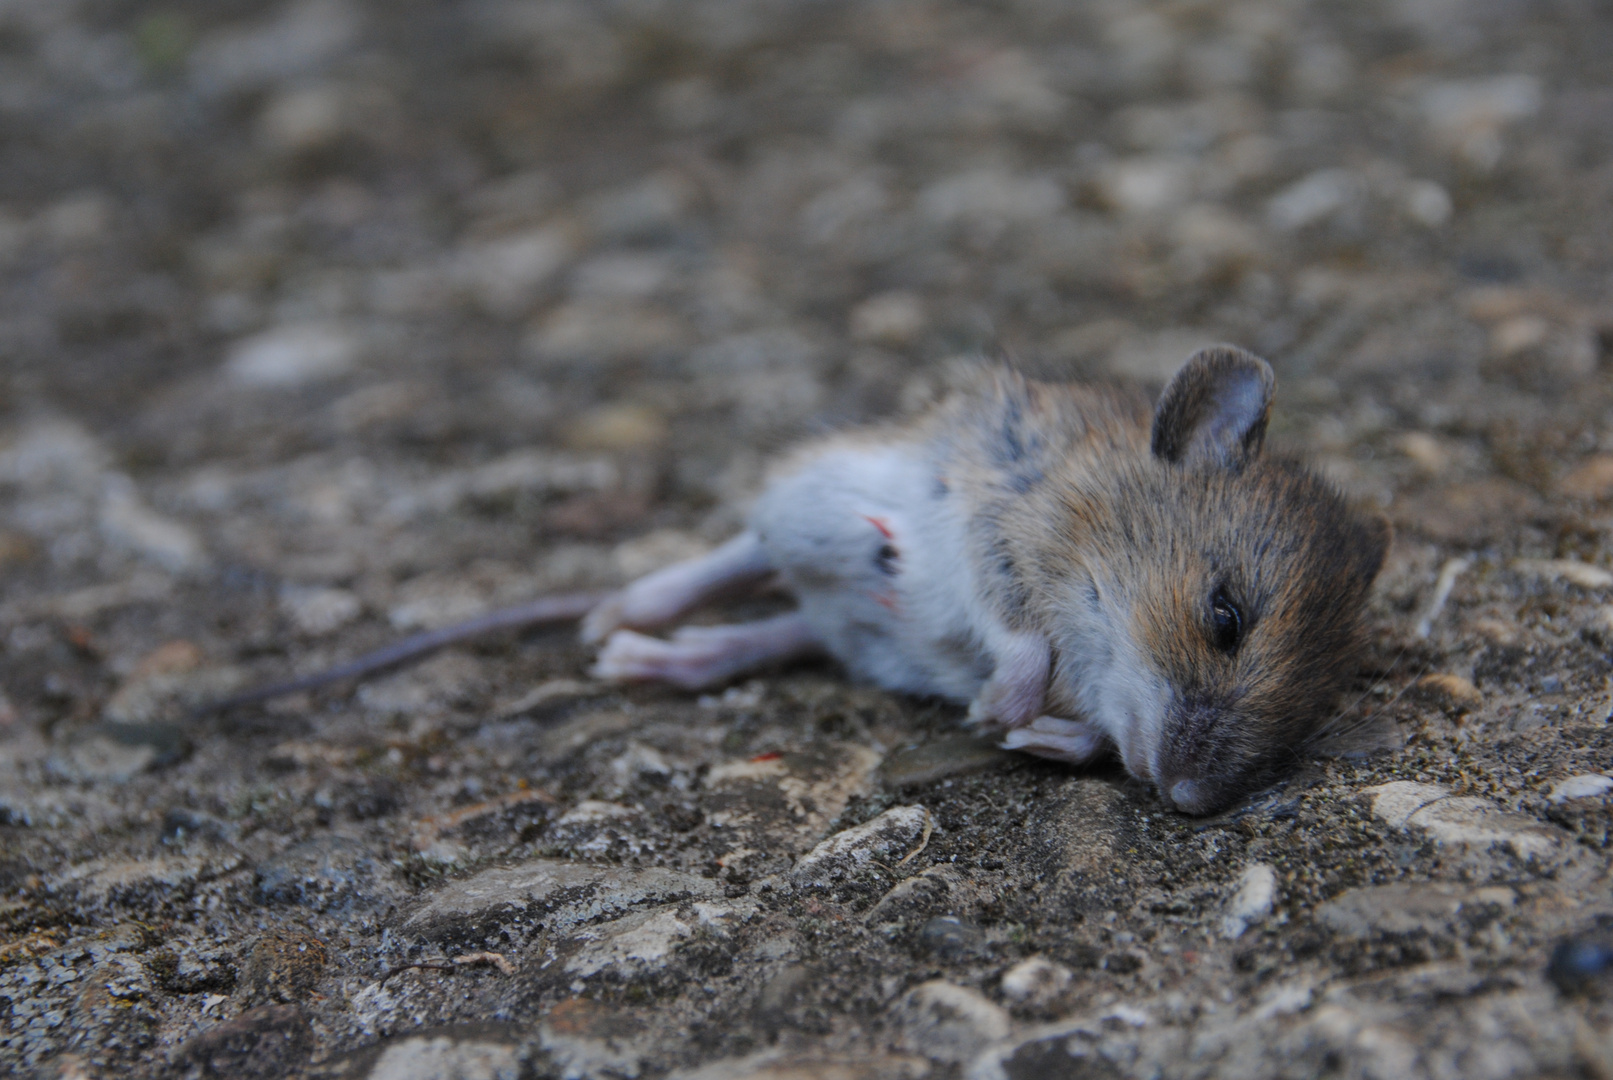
<point x="608" y="615"/>
<point x="1074" y="741"/>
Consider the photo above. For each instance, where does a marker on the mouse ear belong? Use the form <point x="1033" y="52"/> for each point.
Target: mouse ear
<point x="1215" y="409"/>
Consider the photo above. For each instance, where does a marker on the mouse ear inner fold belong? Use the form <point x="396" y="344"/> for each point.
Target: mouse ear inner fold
<point x="1215" y="408"/>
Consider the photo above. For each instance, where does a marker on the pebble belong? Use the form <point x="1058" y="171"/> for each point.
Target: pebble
<point x="327" y="872"/>
<point x="947" y="1023"/>
<point x="586" y="1039"/>
<point x="552" y="894"/>
<point x="290" y="356"/>
<point x="1461" y="820"/>
<point x="848" y="854"/>
<point x="285" y="964"/>
<point x="1590" y="479"/>
<point x="117" y="752"/>
<point x="303" y="119"/>
<point x="1468" y="117"/>
<point x="949" y="755"/>
<point x="270" y="1040"/>
<point x="1391" y="909"/>
<point x="1145" y="185"/>
<point x="1036" y="981"/>
<point x="303" y="36"/>
<point x="783" y="1064"/>
<point x="1454" y="694"/>
<point x="891" y="318"/>
<point x="1572" y="571"/>
<point x="1251" y="902"/>
<point x="1582" y="963"/>
<point x="445" y="1057"/>
<point x="1313" y="199"/>
<point x="617" y="427"/>
<point x="1583" y="786"/>
<point x="991" y="197"/>
<point x="506" y="276"/>
<point x="952" y="940"/>
<point x="128" y="522"/>
<point x="319" y="611"/>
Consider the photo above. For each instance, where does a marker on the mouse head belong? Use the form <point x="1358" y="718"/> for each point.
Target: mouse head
<point x="1230" y="590"/>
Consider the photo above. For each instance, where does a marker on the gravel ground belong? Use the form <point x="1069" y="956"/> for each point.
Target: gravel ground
<point x="331" y="320"/>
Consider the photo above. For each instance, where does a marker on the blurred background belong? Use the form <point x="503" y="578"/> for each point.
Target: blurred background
<point x="326" y="320"/>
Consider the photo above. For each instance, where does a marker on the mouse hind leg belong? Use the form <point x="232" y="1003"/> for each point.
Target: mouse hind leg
<point x="668" y="594"/>
<point x="700" y="656"/>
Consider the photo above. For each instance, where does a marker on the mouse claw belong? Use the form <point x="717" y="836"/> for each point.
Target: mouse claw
<point x="1074" y="741"/>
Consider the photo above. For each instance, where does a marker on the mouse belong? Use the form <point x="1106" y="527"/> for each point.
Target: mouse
<point x="1086" y="573"/>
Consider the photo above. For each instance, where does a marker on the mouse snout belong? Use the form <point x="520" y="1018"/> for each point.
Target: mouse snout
<point x="1187" y="796"/>
<point x="1199" y="763"/>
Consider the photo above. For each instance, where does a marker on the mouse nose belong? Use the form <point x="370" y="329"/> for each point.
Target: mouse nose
<point x="1190" y="796"/>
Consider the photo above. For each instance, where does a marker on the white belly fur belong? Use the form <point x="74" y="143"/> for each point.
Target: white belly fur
<point x="911" y="631"/>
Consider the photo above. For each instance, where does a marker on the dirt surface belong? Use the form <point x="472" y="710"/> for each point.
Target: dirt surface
<point x="326" y="321"/>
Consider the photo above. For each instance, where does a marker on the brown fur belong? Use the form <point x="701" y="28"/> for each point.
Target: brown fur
<point x="1072" y="488"/>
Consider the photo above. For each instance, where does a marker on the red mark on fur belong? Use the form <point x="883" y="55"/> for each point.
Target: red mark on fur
<point x="771" y="755"/>
<point x="884" y="529"/>
<point x="886" y="600"/>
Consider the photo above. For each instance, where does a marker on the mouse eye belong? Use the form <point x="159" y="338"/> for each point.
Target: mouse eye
<point x="1226" y="622"/>
<point x="885" y="559"/>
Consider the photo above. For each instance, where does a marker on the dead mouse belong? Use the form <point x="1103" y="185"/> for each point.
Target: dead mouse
<point x="1084" y="575"/>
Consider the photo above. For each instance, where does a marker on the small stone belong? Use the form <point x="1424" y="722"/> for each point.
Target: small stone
<point x="1313" y="199"/>
<point x="505" y="276"/>
<point x="1460" y="820"/>
<point x="1583" y="786"/>
<point x="1590" y="479"/>
<point x="1145" y="185"/>
<point x="118" y="752"/>
<point x="1391" y="909"/>
<point x="991" y="197"/>
<point x="586" y="1039"/>
<point x="1428" y="453"/>
<point x="621" y="426"/>
<point x="127" y="521"/>
<point x="605" y="330"/>
<point x="1452" y="693"/>
<point x="1518" y="334"/>
<point x="550" y="893"/>
<point x="290" y="356"/>
<point x="1427" y="203"/>
<point x="1583" y="963"/>
<point x="285" y="965"/>
<point x="937" y="759"/>
<point x="641" y="210"/>
<point x="443" y="1057"/>
<point x="319" y="611"/>
<point x="892" y="318"/>
<point x="1572" y="571"/>
<point x="270" y="1040"/>
<point x="304" y="119"/>
<point x="951" y="939"/>
<point x="1252" y="902"/>
<point x="1036" y="981"/>
<point x="1468" y="117"/>
<point x="325" y="873"/>
<point x="948" y="1023"/>
<point x="888" y="838"/>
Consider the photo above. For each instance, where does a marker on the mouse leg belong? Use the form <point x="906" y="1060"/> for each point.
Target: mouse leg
<point x="702" y="656"/>
<point x="664" y="596"/>
<point x="1074" y="741"/>
<point x="1014" y="694"/>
